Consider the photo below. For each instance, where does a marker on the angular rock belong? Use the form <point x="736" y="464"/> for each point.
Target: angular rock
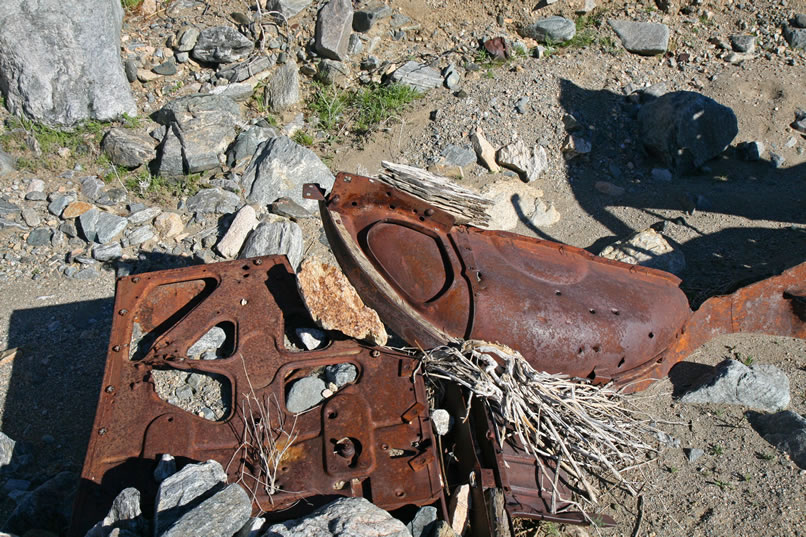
<point x="6" y="449"/>
<point x="107" y="252"/>
<point x="246" y="69"/>
<point x="109" y="226"/>
<point x="646" y="38"/>
<point x="311" y="338"/>
<point x="167" y="68"/>
<point x="353" y="517"/>
<point x="647" y="248"/>
<point x="341" y="374"/>
<point x="333" y="27"/>
<point x="417" y="76"/>
<point x="124" y="515"/>
<point x="221" y="44"/>
<point x="743" y="43"/>
<point x="365" y="19"/>
<point x="332" y="72"/>
<point x="48" y="507"/>
<point x="796" y="37"/>
<point x="187" y="39"/>
<point x="335" y="305"/>
<point x="279" y="169"/>
<point x="92" y="187"/>
<point x="144" y="216"/>
<point x="484" y="150"/>
<point x="187" y="488"/>
<point x="140" y="235"/>
<point x="785" y="430"/>
<point x="61" y="61"/>
<point x="221" y="515"/>
<point x="289" y="8"/>
<point x="275" y="238"/>
<point x="551" y="29"/>
<point x="544" y="215"/>
<point x="36" y="185"/>
<point x="247" y="142"/>
<point x="512" y="201"/>
<point x="282" y="91"/>
<point x="200" y="127"/>
<point x="39" y="236"/>
<point x="289" y="209"/>
<point x="245" y="221"/>
<point x="210" y="342"/>
<point x="112" y="196"/>
<point x="459" y="155"/>
<point x="59" y="203"/>
<point x="684" y="129"/>
<point x="7" y="163"/>
<point x="213" y="201"/>
<point x="7" y="208"/>
<point x="575" y="146"/>
<point x="75" y="209"/>
<point x="88" y="222"/>
<point x="762" y="387"/>
<point x="423" y="522"/>
<point x="31" y="217"/>
<point x="238" y="92"/>
<point x="169" y="224"/>
<point x="529" y="164"/>
<point x="304" y="394"/>
<point x="692" y="454"/>
<point x="126" y="148"/>
<point x="441" y="421"/>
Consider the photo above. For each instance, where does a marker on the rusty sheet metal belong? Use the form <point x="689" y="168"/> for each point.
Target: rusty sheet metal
<point x="372" y="438"/>
<point x="565" y="309"/>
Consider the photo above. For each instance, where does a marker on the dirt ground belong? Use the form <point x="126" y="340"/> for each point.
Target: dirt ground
<point x="735" y="221"/>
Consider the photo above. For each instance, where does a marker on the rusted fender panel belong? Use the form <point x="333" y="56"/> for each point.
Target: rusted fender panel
<point x="372" y="438"/>
<point x="566" y="310"/>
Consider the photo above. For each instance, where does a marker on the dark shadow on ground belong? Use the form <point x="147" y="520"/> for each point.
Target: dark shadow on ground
<point x="730" y="186"/>
<point x="55" y="382"/>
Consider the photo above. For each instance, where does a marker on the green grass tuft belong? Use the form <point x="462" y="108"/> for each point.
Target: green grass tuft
<point x="376" y="105"/>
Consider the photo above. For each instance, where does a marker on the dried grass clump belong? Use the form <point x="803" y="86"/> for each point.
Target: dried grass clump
<point x="586" y="429"/>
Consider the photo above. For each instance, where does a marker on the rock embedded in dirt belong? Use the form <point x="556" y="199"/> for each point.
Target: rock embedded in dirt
<point x="60" y="61"/>
<point x="751" y="151"/>
<point x="763" y="387"/>
<point x="334" y="24"/>
<point x="796" y="37"/>
<point x="107" y="252"/>
<point x="220" y="515"/>
<point x="305" y="394"/>
<point x="200" y="128"/>
<point x="647" y="248"/>
<point x="417" y="76"/>
<point x="785" y="430"/>
<point x="169" y="224"/>
<point x="528" y="163"/>
<point x="692" y="454"/>
<point x="7" y="163"/>
<point x="59" y="202"/>
<point x="144" y="216"/>
<point x="458" y="155"/>
<point x="512" y="201"/>
<point x="279" y="169"/>
<point x="743" y="43"/>
<point x="484" y="150"/>
<point x="282" y="90"/>
<point x="333" y="72"/>
<point x="247" y="68"/>
<point x="191" y="482"/>
<point x="288" y="8"/>
<point x="221" y="44"/>
<point x="645" y="38"/>
<point x="126" y="148"/>
<point x="275" y="238"/>
<point x="39" y="236"/>
<point x="551" y="29"/>
<point x="213" y="201"/>
<point x="92" y="187"/>
<point x="335" y="305"/>
<point x="684" y="129"/>
<point x="544" y="215"/>
<point x="356" y="517"/>
<point x="245" y="221"/>
<point x="365" y="19"/>
<point x="575" y="146"/>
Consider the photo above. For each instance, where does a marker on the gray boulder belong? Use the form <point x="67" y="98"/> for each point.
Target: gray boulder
<point x="213" y="201"/>
<point x="7" y="163"/>
<point x="124" y="515"/>
<point x="289" y="8"/>
<point x="365" y="19"/>
<point x="126" y="148"/>
<point x="763" y="387"/>
<point x="644" y="38"/>
<point x="221" y="44"/>
<point x="246" y="143"/>
<point x="282" y="91"/>
<point x="221" y="515"/>
<point x="187" y="488"/>
<point x="785" y="430"/>
<point x="556" y="29"/>
<point x="60" y="61"/>
<point x="199" y="128"/>
<point x="108" y="226"/>
<point x="796" y="37"/>
<point x="417" y="76"/>
<point x="333" y="27"/>
<point x="279" y="169"/>
<point x="684" y="129"/>
<point x="276" y="238"/>
<point x="353" y="517"/>
<point x="423" y="522"/>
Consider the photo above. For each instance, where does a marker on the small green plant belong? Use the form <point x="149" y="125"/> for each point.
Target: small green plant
<point x="158" y="187"/>
<point x="721" y="484"/>
<point x="551" y="528"/>
<point x="130" y="122"/>
<point x="748" y="360"/>
<point x="490" y="74"/>
<point x="328" y="103"/>
<point x="377" y="104"/>
<point x="716" y="450"/>
<point x="131" y="5"/>
<point x="303" y="138"/>
<point x="746" y="478"/>
<point x="765" y="456"/>
<point x="672" y="469"/>
<point x="26" y="135"/>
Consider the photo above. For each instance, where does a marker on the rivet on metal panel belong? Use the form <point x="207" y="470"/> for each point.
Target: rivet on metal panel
<point x="258" y="261"/>
<point x="374" y="353"/>
<point x="116" y="348"/>
<point x="135" y="279"/>
<point x="110" y="389"/>
<point x="123" y="312"/>
<point x="244" y="302"/>
<point x="347" y="179"/>
<point x="102" y="431"/>
<point x="429" y="212"/>
<point x="421" y="461"/>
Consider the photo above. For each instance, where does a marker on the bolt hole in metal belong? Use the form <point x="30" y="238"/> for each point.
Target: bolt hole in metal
<point x="651" y="335"/>
<point x="332" y="415"/>
<point x="592" y="311"/>
<point x="354" y="204"/>
<point x="614" y="311"/>
<point x="621" y="362"/>
<point x="400" y="493"/>
<point x="558" y="293"/>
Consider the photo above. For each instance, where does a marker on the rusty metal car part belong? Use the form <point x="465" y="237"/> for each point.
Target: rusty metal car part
<point x="567" y="311"/>
<point x="372" y="438"/>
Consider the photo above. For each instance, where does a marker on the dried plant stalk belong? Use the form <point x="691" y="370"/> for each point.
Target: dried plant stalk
<point x="583" y="428"/>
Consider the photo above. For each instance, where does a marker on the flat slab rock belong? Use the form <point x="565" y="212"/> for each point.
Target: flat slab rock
<point x="763" y="387"/>
<point x="335" y="305"/>
<point x="644" y="38"/>
<point x="785" y="430"/>
<point x="647" y="248"/>
<point x="347" y="517"/>
<point x="418" y="76"/>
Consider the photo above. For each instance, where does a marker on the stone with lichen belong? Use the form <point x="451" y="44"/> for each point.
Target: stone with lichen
<point x="335" y="305"/>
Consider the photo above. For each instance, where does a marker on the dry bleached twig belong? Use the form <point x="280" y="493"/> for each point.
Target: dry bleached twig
<point x="576" y="424"/>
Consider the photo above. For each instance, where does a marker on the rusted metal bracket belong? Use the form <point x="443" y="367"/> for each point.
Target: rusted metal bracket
<point x="567" y="311"/>
<point x="372" y="438"/>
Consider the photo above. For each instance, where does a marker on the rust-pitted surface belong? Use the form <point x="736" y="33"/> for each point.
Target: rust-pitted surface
<point x="372" y="438"/>
<point x="566" y="310"/>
